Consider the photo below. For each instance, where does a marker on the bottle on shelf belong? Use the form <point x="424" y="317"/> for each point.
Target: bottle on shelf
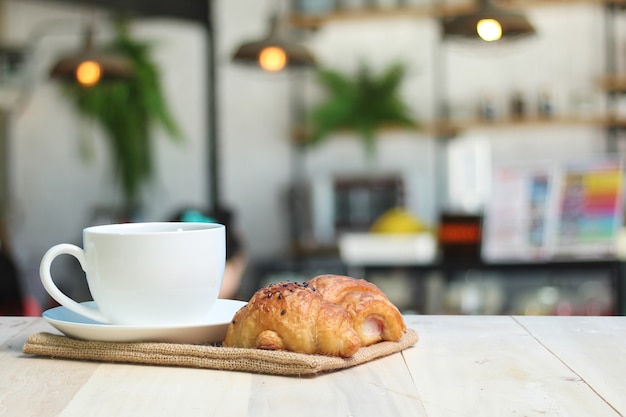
<point x="518" y="105"/>
<point x="545" y="105"/>
<point x="487" y="109"/>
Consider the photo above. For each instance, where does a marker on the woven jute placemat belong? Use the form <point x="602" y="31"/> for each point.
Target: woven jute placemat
<point x="210" y="357"/>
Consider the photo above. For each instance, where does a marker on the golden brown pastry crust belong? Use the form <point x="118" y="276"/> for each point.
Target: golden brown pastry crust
<point x="294" y="317"/>
<point x="374" y="317"/>
<point x="334" y="287"/>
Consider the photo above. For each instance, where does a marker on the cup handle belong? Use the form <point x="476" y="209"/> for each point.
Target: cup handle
<point x="55" y="292"/>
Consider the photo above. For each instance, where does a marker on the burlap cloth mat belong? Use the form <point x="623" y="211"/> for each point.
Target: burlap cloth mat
<point x="210" y="357"/>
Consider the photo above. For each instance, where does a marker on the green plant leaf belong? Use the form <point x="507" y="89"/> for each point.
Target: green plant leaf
<point x="360" y="102"/>
<point x="127" y="110"/>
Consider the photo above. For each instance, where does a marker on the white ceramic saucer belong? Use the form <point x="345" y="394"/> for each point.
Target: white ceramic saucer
<point x="79" y="327"/>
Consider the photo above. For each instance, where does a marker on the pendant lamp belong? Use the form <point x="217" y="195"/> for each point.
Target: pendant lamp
<point x="90" y="66"/>
<point x="489" y="23"/>
<point x="275" y="52"/>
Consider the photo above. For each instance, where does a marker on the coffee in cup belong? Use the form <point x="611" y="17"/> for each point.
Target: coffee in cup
<point x="149" y="274"/>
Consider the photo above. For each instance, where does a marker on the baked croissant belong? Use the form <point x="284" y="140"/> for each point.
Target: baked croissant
<point x="294" y="317"/>
<point x="374" y="317"/>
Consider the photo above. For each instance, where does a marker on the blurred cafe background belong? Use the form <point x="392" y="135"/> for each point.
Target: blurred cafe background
<point x="464" y="155"/>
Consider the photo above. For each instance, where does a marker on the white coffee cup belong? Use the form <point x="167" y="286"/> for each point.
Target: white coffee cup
<point x="149" y="274"/>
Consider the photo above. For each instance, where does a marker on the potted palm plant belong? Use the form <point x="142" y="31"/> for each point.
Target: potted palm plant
<point x="127" y="109"/>
<point x="363" y="103"/>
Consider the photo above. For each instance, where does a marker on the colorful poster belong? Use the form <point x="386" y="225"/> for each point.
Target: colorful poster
<point x="590" y="207"/>
<point x="554" y="210"/>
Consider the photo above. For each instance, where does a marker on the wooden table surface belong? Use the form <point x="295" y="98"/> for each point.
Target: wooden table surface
<point x="462" y="366"/>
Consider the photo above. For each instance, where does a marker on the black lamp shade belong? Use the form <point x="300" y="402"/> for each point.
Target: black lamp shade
<point x="513" y="24"/>
<point x="112" y="65"/>
<point x="296" y="55"/>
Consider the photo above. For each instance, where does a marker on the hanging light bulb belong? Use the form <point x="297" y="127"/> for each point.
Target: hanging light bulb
<point x="489" y="22"/>
<point x="272" y="59"/>
<point x="88" y="73"/>
<point x="274" y="52"/>
<point x="90" y="66"/>
<point x="489" y="29"/>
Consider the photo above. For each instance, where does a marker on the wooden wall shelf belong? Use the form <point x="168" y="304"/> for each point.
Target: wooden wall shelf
<point x="435" y="10"/>
<point x="615" y="83"/>
<point x="525" y="4"/>
<point x="536" y="121"/>
<point x="531" y="122"/>
<point x="449" y="128"/>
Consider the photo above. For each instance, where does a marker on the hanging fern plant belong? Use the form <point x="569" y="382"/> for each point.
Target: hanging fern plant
<point x="127" y="109"/>
<point x="362" y="102"/>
